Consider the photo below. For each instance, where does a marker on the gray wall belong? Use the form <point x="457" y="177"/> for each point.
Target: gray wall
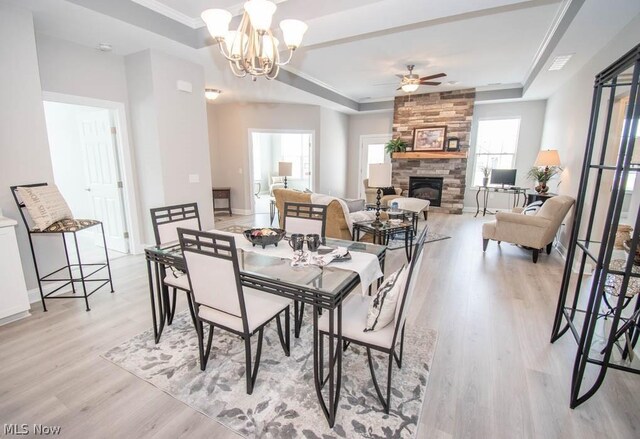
<point x="170" y="134"/>
<point x="23" y="136"/>
<point x="334" y="128"/>
<point x="229" y="126"/>
<point x="531" y="114"/>
<point x="361" y="125"/>
<point x="567" y="117"/>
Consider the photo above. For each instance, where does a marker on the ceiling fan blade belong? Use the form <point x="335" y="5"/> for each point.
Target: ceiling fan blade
<point x="437" y="75"/>
<point x="429" y="83"/>
<point x="400" y="76"/>
<point x="399" y="88"/>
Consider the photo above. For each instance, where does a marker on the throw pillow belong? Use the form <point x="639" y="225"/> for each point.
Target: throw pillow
<point x="532" y="209"/>
<point x="382" y="308"/>
<point x="45" y="205"/>
<point x="388" y="190"/>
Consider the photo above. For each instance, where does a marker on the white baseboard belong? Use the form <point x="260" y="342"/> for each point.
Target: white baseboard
<point x="14" y="317"/>
<point x="241" y="211"/>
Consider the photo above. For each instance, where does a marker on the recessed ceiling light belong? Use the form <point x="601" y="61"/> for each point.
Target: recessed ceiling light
<point x="559" y="62"/>
<point x="104" y="47"/>
<point x="212" y="93"/>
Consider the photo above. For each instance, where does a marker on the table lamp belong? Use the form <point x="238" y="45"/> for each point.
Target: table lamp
<point x="546" y="158"/>
<point x="379" y="177"/>
<point x="285" y="170"/>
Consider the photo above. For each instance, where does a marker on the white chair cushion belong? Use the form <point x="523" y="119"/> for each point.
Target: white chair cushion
<point x="178" y="281"/>
<point x="354" y="320"/>
<point x="382" y="309"/>
<point x="260" y="307"/>
<point x="45" y="205"/>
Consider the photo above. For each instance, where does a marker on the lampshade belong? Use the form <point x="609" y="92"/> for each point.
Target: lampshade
<point x="409" y="88"/>
<point x="267" y="46"/>
<point x="285" y="169"/>
<point x="380" y="175"/>
<point x="260" y="13"/>
<point x="217" y="21"/>
<point x="292" y="31"/>
<point x="236" y="45"/>
<point x="548" y="157"/>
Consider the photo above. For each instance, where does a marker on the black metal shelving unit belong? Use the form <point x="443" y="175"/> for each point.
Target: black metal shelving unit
<point x="595" y="306"/>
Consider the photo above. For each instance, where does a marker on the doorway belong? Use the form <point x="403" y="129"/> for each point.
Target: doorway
<point x="266" y="150"/>
<point x="371" y="152"/>
<point x="85" y="155"/>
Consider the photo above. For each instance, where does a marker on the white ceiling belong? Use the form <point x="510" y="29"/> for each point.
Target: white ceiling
<point x="353" y="46"/>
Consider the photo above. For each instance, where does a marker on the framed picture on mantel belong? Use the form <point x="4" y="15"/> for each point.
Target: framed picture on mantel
<point x="429" y="139"/>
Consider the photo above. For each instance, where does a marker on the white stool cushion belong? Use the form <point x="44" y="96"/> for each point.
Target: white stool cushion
<point x="382" y="309"/>
<point x="261" y="307"/>
<point x="354" y="320"/>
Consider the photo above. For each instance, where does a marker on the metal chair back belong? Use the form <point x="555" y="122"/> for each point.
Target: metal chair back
<point x="166" y="221"/>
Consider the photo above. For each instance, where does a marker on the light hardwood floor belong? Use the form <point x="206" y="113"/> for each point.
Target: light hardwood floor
<point x="495" y="374"/>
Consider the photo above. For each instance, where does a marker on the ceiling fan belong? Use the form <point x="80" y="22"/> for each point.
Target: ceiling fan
<point x="412" y="81"/>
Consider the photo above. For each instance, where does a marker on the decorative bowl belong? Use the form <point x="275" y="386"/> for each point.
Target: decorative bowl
<point x="264" y="236"/>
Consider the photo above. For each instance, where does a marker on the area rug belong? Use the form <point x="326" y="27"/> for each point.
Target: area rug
<point x="284" y="402"/>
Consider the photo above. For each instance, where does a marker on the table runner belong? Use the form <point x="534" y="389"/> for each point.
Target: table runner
<point x="365" y="264"/>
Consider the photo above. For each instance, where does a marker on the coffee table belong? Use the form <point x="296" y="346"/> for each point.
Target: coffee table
<point x="381" y="233"/>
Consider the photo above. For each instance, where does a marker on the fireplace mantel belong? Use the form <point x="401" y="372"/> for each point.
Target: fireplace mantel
<point x="430" y="155"/>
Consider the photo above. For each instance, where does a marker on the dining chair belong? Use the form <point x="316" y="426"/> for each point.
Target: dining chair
<point x="165" y="221"/>
<point x="384" y="340"/>
<point x="221" y="301"/>
<point x="306" y="219"/>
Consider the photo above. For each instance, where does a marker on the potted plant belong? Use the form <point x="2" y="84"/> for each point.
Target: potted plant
<point x="395" y="145"/>
<point x="486" y="172"/>
<point x="542" y="177"/>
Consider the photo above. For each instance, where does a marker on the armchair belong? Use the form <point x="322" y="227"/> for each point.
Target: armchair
<point x="370" y="194"/>
<point x="535" y="231"/>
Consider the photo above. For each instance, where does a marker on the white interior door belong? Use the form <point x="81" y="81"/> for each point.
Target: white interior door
<point x="103" y="182"/>
<point x="371" y="151"/>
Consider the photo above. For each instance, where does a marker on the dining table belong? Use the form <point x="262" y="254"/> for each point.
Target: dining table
<point x="271" y="270"/>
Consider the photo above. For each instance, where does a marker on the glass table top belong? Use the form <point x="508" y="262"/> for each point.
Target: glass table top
<point x="327" y="280"/>
<point x="385" y="226"/>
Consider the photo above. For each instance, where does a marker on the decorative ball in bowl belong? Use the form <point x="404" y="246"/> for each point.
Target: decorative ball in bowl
<point x="264" y="236"/>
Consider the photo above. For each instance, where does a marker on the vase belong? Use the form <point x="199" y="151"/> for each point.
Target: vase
<point x="485" y="181"/>
<point x="542" y="188"/>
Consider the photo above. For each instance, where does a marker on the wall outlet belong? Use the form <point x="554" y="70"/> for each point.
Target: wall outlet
<point x="194" y="178"/>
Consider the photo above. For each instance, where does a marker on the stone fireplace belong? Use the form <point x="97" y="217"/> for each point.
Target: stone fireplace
<point x="453" y="109"/>
<point x="427" y="188"/>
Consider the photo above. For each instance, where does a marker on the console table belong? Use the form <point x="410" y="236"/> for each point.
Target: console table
<point x="486" y="190"/>
<point x="534" y="196"/>
<point x="222" y="193"/>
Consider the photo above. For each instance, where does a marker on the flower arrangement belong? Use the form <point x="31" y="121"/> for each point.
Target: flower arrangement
<point x="542" y="176"/>
<point x="395" y="145"/>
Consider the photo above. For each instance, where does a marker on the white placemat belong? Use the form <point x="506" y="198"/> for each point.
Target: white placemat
<point x="365" y="264"/>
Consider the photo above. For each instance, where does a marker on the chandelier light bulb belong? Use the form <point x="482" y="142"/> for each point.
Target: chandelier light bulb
<point x="293" y="31"/>
<point x="217" y="21"/>
<point x="260" y="13"/>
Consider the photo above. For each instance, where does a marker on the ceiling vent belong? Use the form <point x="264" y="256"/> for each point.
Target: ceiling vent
<point x="559" y="62"/>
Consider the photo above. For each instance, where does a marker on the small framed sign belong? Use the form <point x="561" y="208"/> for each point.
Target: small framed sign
<point x="453" y="144"/>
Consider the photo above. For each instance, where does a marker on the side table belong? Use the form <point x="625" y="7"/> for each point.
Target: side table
<point x="534" y="196"/>
<point x="222" y="193"/>
<point x="382" y="233"/>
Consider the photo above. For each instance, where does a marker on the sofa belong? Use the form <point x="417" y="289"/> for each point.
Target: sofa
<point x="370" y="194"/>
<point x="534" y="231"/>
<point x="337" y="226"/>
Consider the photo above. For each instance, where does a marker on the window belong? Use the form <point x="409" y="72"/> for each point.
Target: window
<point x="296" y="148"/>
<point x="496" y="144"/>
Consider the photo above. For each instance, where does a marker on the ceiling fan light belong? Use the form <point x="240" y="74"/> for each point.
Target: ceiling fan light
<point x="293" y="31"/>
<point x="217" y="21"/>
<point x="260" y="13"/>
<point x="410" y="88"/>
<point x="212" y="93"/>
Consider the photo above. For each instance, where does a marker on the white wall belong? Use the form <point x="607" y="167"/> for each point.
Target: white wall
<point x="334" y="130"/>
<point x="567" y="116"/>
<point x="531" y="114"/>
<point x="23" y="137"/>
<point x="229" y="126"/>
<point x="170" y="134"/>
<point x="361" y="125"/>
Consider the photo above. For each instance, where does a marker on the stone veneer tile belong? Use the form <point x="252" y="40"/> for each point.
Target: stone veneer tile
<point x="453" y="109"/>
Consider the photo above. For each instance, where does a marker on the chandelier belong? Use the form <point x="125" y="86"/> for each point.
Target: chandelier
<point x="252" y="49"/>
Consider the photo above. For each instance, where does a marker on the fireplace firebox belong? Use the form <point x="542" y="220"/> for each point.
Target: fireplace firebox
<point x="426" y="188"/>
